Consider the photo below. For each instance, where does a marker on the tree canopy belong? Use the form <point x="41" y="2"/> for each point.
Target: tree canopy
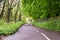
<point x="40" y="8"/>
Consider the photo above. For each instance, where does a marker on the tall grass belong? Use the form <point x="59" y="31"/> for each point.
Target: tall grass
<point x="9" y="28"/>
<point x="51" y="24"/>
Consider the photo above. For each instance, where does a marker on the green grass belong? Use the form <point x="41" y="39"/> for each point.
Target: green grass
<point x="9" y="28"/>
<point x="52" y="24"/>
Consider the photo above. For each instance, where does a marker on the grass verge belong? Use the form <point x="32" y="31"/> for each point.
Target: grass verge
<point x="9" y="28"/>
<point x="52" y="24"/>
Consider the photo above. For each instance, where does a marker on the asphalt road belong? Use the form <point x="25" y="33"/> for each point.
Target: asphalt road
<point x="30" y="32"/>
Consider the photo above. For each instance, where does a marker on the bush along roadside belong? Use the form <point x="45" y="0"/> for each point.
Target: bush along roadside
<point x="52" y="24"/>
<point x="10" y="28"/>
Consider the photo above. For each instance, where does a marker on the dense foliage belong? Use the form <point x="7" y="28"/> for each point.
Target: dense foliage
<point x="40" y="8"/>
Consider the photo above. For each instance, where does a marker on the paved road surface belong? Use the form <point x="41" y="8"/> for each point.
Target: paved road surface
<point x="29" y="32"/>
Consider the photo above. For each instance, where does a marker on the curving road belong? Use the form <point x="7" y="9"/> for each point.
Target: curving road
<point x="30" y="32"/>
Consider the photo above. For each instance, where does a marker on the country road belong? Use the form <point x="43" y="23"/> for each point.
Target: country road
<point x="30" y="32"/>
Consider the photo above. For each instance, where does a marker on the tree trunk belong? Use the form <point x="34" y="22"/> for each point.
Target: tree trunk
<point x="1" y="15"/>
<point x="20" y="17"/>
<point x="16" y="12"/>
<point x="8" y="14"/>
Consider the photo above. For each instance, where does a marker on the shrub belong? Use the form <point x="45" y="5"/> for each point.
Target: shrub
<point x="51" y="24"/>
<point x="9" y="28"/>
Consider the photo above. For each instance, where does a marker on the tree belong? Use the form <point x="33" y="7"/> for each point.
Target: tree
<point x="58" y="7"/>
<point x="1" y="14"/>
<point x="20" y="16"/>
<point x="6" y="10"/>
<point x="17" y="10"/>
<point x="39" y="8"/>
<point x="11" y="5"/>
